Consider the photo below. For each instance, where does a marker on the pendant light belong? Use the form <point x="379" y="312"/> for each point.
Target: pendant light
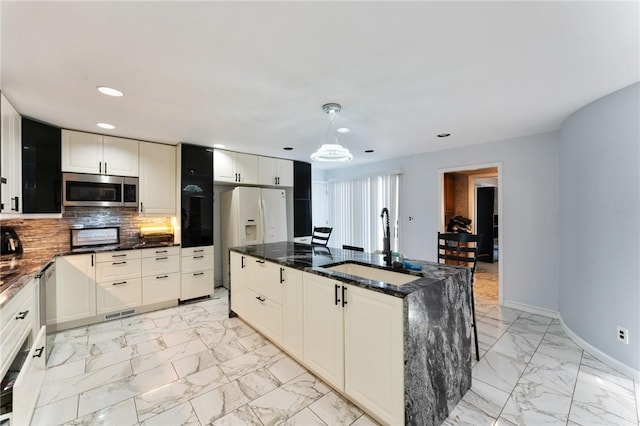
<point x="330" y="149"/>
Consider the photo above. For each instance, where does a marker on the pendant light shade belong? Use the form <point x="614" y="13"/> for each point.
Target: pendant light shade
<point x="330" y="149"/>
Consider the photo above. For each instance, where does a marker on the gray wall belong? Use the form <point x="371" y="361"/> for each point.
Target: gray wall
<point x="529" y="225"/>
<point x="600" y="223"/>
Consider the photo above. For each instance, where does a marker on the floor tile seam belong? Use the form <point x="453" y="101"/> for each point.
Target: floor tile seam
<point x="318" y="415"/>
<point x="135" y="406"/>
<point x="505" y="402"/>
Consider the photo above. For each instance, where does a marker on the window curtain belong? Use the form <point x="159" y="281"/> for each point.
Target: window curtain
<point x="354" y="211"/>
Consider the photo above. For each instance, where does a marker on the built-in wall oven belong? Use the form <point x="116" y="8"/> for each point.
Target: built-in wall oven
<point x="79" y="189"/>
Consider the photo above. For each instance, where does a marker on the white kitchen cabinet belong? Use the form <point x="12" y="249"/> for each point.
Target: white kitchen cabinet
<point x="75" y="287"/>
<point x="11" y="151"/>
<point x="373" y="338"/>
<point x="275" y="171"/>
<point x="118" y="281"/>
<point x="323" y="328"/>
<point x="292" y="311"/>
<point x="240" y="282"/>
<point x="51" y="295"/>
<point x="98" y="154"/>
<point x="17" y="319"/>
<point x="235" y="167"/>
<point x="196" y="265"/>
<point x="264" y="278"/>
<point x="160" y="274"/>
<point x="26" y="389"/>
<point x="157" y="179"/>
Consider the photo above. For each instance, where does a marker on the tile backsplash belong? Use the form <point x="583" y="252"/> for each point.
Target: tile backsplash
<point x="42" y="238"/>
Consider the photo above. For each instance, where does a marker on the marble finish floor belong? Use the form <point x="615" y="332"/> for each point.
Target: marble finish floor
<point x="191" y="365"/>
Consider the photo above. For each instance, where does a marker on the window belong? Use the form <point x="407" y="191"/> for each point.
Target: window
<point x="354" y="211"/>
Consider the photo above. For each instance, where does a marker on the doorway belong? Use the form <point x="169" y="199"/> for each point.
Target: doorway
<point x="470" y="201"/>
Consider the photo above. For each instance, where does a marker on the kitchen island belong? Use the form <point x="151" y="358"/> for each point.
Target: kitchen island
<point x="422" y="360"/>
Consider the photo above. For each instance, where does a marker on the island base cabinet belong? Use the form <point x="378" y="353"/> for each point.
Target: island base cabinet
<point x="373" y="338"/>
<point x="119" y="295"/>
<point x="323" y="328"/>
<point x="292" y="312"/>
<point x="265" y="315"/>
<point x="27" y="386"/>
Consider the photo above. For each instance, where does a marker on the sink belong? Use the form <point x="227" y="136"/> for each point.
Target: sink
<point x="371" y="273"/>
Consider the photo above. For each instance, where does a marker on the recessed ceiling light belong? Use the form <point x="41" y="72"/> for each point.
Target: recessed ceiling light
<point x="109" y="91"/>
<point x="106" y="126"/>
<point x="343" y="130"/>
<point x="288" y="148"/>
<point x="219" y="145"/>
<point x="368" y="151"/>
<point x="444" y="135"/>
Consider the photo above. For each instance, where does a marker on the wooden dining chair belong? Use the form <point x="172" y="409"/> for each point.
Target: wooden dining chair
<point x="320" y="236"/>
<point x="460" y="248"/>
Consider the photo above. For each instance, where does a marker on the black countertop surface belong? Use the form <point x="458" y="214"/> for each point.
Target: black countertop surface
<point x="316" y="259"/>
<point x="17" y="271"/>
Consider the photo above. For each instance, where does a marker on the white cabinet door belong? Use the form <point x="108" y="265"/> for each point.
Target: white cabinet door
<point x="196" y="284"/>
<point x="160" y="288"/>
<point x="239" y="284"/>
<point x="157" y="179"/>
<point x="247" y="167"/>
<point x="323" y="328"/>
<point x="267" y="171"/>
<point x="76" y="287"/>
<point x="160" y="264"/>
<point x="11" y="143"/>
<point x="264" y="278"/>
<point x="265" y="315"/>
<point x="224" y="166"/>
<point x="51" y="295"/>
<point x="373" y="353"/>
<point x="284" y="172"/>
<point x="118" y="270"/>
<point x="81" y="152"/>
<point x="292" y="314"/>
<point x="27" y="386"/>
<point x="119" y="295"/>
<point x="120" y="156"/>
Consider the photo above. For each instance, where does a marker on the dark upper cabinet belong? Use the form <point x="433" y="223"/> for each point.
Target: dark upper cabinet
<point x="196" y="196"/>
<point x="302" y="218"/>
<point x="41" y="175"/>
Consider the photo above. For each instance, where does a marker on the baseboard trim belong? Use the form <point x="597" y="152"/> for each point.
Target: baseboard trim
<point x="532" y="309"/>
<point x="597" y="353"/>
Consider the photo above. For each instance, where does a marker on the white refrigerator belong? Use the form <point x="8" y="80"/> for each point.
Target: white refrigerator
<point x="250" y="215"/>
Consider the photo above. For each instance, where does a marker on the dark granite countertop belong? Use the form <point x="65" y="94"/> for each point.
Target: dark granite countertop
<point x="315" y="260"/>
<point x="17" y="271"/>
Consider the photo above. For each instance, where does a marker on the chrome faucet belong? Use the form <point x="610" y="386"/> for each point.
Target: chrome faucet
<point x="386" y="239"/>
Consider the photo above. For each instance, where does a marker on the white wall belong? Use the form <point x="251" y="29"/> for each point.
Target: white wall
<point x="600" y="223"/>
<point x="530" y="209"/>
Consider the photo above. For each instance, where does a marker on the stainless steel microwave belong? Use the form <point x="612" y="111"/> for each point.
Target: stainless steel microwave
<point x="79" y="189"/>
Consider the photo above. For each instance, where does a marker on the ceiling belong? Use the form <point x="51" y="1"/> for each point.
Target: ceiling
<point x="254" y="75"/>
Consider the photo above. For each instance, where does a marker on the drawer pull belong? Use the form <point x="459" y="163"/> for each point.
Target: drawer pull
<point x="162" y="258"/>
<point x="262" y="299"/>
<point x="335" y="294"/>
<point x="162" y="277"/>
<point x="198" y="257"/>
<point x="242" y="262"/>
<point x="38" y="352"/>
<point x="198" y="251"/>
<point x="119" y="283"/>
<point x="281" y="277"/>
<point x="22" y="315"/>
<point x="161" y="251"/>
<point x="195" y="274"/>
<point x="118" y="263"/>
<point x="119" y="255"/>
<point x="260" y="261"/>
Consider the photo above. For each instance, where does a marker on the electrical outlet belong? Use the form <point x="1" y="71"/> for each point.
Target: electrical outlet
<point x="623" y="335"/>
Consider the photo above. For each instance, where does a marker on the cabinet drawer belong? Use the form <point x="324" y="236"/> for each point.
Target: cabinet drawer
<point x="117" y="270"/>
<point x="160" y="288"/>
<point x="9" y="311"/>
<point x="264" y="278"/>
<point x="119" y="295"/>
<point x="15" y="331"/>
<point x="196" y="284"/>
<point x="114" y="256"/>
<point x="160" y="251"/>
<point x="160" y="264"/>
<point x="265" y="314"/>
<point x="195" y="251"/>
<point x="27" y="387"/>
<point x="197" y="262"/>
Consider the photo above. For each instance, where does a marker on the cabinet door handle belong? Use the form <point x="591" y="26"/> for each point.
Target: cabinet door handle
<point x="259" y="261"/>
<point x="16" y="201"/>
<point x="344" y="296"/>
<point x="162" y="277"/>
<point x="91" y="260"/>
<point x="22" y="315"/>
<point x="241" y="262"/>
<point x="239" y="177"/>
<point x="236" y="177"/>
<point x="119" y="283"/>
<point x="198" y="273"/>
<point x="105" y="167"/>
<point x="335" y="293"/>
<point x="38" y="352"/>
<point x="141" y="207"/>
<point x="198" y="251"/>
<point x="161" y="251"/>
<point x="118" y="263"/>
<point x="262" y="299"/>
<point x="100" y="167"/>
<point x="281" y="277"/>
<point x="162" y="258"/>
<point x="198" y="257"/>
<point x="119" y="255"/>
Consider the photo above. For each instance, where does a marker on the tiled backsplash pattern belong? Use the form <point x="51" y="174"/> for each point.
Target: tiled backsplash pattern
<point x="42" y="238"/>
